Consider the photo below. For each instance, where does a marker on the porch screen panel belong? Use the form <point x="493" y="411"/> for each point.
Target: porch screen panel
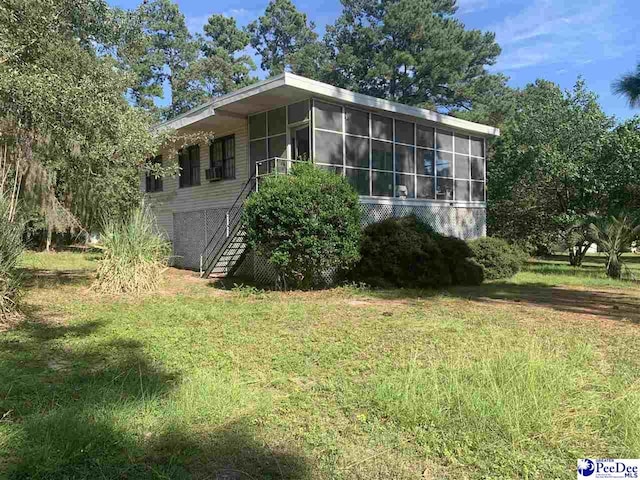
<point x="398" y="158"/>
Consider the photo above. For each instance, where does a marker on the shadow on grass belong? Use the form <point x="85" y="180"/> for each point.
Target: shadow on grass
<point x="605" y="304"/>
<point x="46" y="279"/>
<point x="76" y="404"/>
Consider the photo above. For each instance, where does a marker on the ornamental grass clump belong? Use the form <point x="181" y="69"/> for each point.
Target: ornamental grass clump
<point x="134" y="254"/>
<point x="10" y="249"/>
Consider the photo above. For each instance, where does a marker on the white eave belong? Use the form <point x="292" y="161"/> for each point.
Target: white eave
<point x="319" y="89"/>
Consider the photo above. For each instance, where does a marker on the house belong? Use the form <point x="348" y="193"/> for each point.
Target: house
<point x="400" y="159"/>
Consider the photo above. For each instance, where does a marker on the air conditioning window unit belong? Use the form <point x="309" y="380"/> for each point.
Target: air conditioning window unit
<point x="214" y="174"/>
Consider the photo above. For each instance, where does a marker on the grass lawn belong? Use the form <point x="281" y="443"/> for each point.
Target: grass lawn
<point x="512" y="379"/>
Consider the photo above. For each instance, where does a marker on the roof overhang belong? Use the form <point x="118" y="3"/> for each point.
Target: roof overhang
<point x="289" y="88"/>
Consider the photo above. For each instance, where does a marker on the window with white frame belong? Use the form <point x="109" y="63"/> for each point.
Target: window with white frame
<point x="268" y="132"/>
<point x="386" y="157"/>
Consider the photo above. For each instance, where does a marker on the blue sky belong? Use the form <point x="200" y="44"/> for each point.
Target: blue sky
<point x="553" y="39"/>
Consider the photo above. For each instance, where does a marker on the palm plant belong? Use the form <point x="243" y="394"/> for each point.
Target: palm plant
<point x="10" y="250"/>
<point x="628" y="85"/>
<point x="614" y="236"/>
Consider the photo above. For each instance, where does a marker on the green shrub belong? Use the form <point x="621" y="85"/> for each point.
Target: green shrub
<point x="134" y="254"/>
<point x="10" y="249"/>
<point x="401" y="252"/>
<point x="497" y="258"/>
<point x="306" y="224"/>
<point x="464" y="269"/>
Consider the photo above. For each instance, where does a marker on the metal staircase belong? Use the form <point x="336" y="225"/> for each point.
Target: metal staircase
<point x="227" y="247"/>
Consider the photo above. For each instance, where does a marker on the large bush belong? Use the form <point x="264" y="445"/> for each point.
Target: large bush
<point x="306" y="224"/>
<point x="134" y="254"/>
<point x="404" y="252"/>
<point x="497" y="257"/>
<point x="10" y="250"/>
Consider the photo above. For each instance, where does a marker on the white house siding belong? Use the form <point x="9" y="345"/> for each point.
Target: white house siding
<point x="208" y="195"/>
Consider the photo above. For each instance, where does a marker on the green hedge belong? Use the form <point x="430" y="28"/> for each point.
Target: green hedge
<point x="404" y="252"/>
<point x="497" y="258"/>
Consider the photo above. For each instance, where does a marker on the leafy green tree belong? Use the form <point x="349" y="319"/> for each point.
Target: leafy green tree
<point x="543" y="175"/>
<point x="629" y="86"/>
<point x="411" y="51"/>
<point x="224" y="66"/>
<point x="286" y="40"/>
<point x="306" y="225"/>
<point x="70" y="137"/>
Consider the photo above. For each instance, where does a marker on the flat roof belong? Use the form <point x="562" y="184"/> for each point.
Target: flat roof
<point x="288" y="87"/>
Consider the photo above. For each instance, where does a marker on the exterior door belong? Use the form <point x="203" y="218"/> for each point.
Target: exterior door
<point x="300" y="144"/>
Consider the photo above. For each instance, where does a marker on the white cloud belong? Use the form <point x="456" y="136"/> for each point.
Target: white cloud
<point x="196" y="23"/>
<point x="551" y="32"/>
<point x="471" y="6"/>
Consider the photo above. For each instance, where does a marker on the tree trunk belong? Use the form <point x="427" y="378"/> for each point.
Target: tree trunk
<point x="577" y="254"/>
<point x="49" y="235"/>
<point x="614" y="267"/>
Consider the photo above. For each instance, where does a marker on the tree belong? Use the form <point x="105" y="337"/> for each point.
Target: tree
<point x="629" y="86"/>
<point x="614" y="236"/>
<point x="158" y="49"/>
<point x="410" y="51"/>
<point x="543" y="177"/>
<point x="307" y="225"/>
<point x="223" y="66"/>
<point x="286" y="40"/>
<point x="68" y="135"/>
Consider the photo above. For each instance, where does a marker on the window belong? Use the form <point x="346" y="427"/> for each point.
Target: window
<point x="477" y="147"/>
<point x="328" y="117"/>
<point x="381" y="155"/>
<point x="299" y="112"/>
<point x="425" y="136"/>
<point x="382" y="184"/>
<point x="278" y="146"/>
<point x="404" y="159"/>
<point x="444" y="141"/>
<point x="462" y="144"/>
<point x="357" y="122"/>
<point x="462" y="190"/>
<point x="189" y="162"/>
<point x="444" y="189"/>
<point x="404" y="132"/>
<point x="381" y="127"/>
<point x="444" y="165"/>
<point x="328" y="148"/>
<point x="153" y="183"/>
<point x="277" y="121"/>
<point x="462" y="166"/>
<point x="404" y="186"/>
<point x="425" y="162"/>
<point x="477" y="168"/>
<point x="359" y="179"/>
<point x="222" y="154"/>
<point x="357" y="150"/>
<point x="426" y="187"/>
<point x="258" y="126"/>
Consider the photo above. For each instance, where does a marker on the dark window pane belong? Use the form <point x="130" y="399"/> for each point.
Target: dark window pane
<point x="381" y="155"/>
<point x="462" y="190"/>
<point x="382" y="184"/>
<point x="477" y="191"/>
<point x="328" y="148"/>
<point x="462" y="166"/>
<point x="328" y="117"/>
<point x="381" y="127"/>
<point x="331" y="168"/>
<point x="278" y="146"/>
<point x="444" y="141"/>
<point x="477" y="147"/>
<point x="277" y="121"/>
<point x="425" y="136"/>
<point x="357" y="150"/>
<point x="426" y="187"/>
<point x="258" y="125"/>
<point x="462" y="144"/>
<point x="405" y="187"/>
<point x="444" y="189"/>
<point x="194" y="164"/>
<point x="404" y="159"/>
<point x="425" y="162"/>
<point x="357" y="122"/>
<point x="299" y="112"/>
<point x="257" y="152"/>
<point x="444" y="164"/>
<point x="359" y="179"/>
<point x="404" y="132"/>
<point x="477" y="168"/>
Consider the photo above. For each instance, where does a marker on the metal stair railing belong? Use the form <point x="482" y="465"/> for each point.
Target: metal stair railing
<point x="222" y="236"/>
